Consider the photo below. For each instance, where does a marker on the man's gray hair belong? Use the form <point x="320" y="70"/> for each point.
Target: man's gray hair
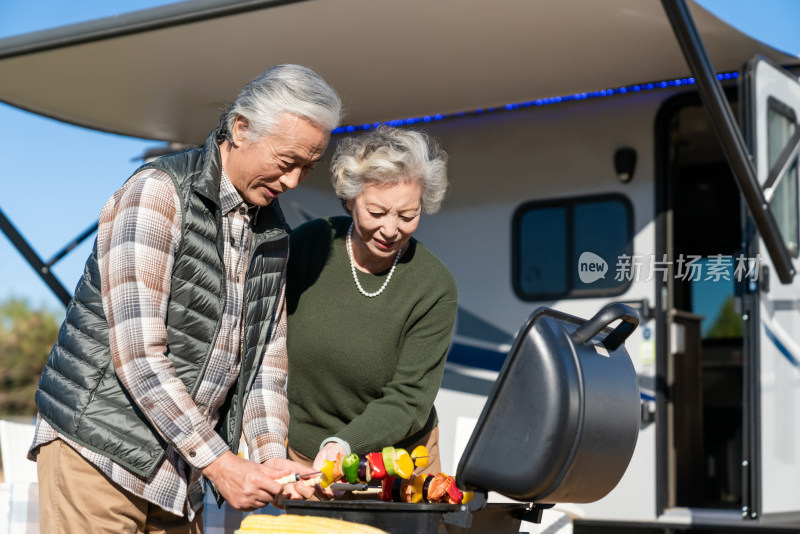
<point x="282" y="89"/>
<point x="387" y="156"/>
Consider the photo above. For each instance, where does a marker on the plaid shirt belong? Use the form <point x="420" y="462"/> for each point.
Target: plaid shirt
<point x="138" y="236"/>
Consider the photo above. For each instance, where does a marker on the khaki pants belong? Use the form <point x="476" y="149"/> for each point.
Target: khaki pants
<point x="75" y="497"/>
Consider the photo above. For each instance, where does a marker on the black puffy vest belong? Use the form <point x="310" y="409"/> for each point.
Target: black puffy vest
<point x="79" y="393"/>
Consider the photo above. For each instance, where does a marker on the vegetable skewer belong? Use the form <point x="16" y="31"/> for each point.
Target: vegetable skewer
<point x="394" y="468"/>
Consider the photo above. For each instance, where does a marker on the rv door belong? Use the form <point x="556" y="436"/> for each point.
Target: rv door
<point x="770" y="118"/>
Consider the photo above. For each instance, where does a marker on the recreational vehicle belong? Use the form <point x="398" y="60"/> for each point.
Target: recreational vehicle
<point x="592" y="160"/>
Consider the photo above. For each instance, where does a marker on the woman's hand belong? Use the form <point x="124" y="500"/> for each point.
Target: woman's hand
<point x="331" y="451"/>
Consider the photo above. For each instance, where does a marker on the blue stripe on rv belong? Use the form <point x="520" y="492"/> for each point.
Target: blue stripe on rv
<point x="490" y="360"/>
<point x="781" y="347"/>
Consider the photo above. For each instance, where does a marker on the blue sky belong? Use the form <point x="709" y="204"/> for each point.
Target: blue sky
<point x="51" y="192"/>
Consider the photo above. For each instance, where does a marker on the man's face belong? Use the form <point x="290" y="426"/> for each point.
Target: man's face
<point x="261" y="170"/>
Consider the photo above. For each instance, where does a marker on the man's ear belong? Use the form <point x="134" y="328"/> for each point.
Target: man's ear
<point x="240" y="130"/>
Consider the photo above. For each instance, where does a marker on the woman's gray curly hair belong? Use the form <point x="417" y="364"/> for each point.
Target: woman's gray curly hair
<point x="388" y="156"/>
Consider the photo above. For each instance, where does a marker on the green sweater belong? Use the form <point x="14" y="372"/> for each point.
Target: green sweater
<point x="366" y="370"/>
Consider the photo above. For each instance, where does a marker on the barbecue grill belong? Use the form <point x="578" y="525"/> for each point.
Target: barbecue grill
<point x="559" y="425"/>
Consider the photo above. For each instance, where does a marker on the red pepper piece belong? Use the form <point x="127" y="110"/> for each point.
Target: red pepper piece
<point x="376" y="461"/>
<point x="386" y="489"/>
<point x="454" y="494"/>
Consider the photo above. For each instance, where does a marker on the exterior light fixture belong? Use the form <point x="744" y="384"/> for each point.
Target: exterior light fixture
<point x="625" y="164"/>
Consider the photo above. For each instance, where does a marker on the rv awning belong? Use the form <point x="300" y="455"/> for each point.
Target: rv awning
<point x="165" y="73"/>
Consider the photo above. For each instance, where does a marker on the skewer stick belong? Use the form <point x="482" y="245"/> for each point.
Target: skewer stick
<point x="340" y="486"/>
<point x="295" y="477"/>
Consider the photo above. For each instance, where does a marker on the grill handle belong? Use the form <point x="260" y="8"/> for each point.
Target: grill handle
<point x="607" y="315"/>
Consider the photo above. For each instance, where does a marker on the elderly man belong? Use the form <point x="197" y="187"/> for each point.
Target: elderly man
<point x="174" y="342"/>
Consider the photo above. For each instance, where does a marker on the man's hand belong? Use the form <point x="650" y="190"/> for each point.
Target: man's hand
<point x="278" y="467"/>
<point x="245" y="484"/>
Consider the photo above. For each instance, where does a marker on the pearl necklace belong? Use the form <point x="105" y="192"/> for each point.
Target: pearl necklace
<point x="353" y="266"/>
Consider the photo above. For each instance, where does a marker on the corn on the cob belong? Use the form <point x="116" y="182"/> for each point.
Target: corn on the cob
<point x="301" y="524"/>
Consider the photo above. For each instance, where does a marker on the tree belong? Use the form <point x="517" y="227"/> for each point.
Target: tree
<point x="729" y="322"/>
<point x="26" y="337"/>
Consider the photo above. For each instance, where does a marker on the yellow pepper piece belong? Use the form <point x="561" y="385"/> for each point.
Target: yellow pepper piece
<point x="420" y="456"/>
<point x="416" y="494"/>
<point x="403" y="464"/>
<point x="327" y="474"/>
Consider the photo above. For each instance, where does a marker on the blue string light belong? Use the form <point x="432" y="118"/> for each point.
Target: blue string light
<point x="514" y="106"/>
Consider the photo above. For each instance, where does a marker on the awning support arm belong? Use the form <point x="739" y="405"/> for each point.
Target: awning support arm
<point x="727" y="130"/>
<point x="33" y="259"/>
<point x="74" y="243"/>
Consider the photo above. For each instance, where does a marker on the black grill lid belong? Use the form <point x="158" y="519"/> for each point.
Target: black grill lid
<point x="562" y="420"/>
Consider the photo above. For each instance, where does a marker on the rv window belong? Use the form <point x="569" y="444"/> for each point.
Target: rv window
<point x="575" y="247"/>
<point x="783" y="204"/>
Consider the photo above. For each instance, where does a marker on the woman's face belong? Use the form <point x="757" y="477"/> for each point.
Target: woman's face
<point x="385" y="217"/>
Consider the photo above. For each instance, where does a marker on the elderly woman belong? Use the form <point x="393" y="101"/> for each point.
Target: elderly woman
<point x="370" y="309"/>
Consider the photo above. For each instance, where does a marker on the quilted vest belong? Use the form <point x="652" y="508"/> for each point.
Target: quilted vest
<point x="79" y="393"/>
